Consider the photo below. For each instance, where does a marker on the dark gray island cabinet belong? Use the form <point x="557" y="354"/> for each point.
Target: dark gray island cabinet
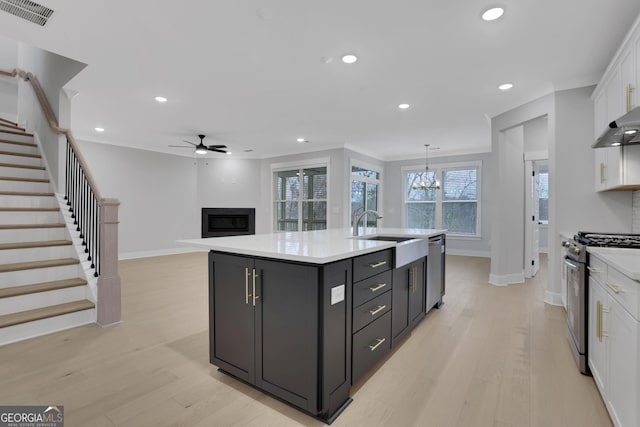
<point x="304" y="332"/>
<point x="284" y="327"/>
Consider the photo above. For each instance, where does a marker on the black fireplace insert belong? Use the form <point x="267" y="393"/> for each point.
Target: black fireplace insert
<point x="219" y="222"/>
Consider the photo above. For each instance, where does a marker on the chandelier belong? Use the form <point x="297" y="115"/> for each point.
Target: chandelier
<point x="434" y="184"/>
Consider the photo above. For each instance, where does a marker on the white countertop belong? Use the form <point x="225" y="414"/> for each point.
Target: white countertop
<point x="627" y="261"/>
<point x="317" y="247"/>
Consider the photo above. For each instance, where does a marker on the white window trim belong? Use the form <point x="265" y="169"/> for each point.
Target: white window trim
<point x="298" y="164"/>
<point x="364" y="165"/>
<point x="439" y="167"/>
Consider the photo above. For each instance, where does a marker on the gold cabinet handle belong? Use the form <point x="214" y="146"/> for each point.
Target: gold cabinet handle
<point x="246" y="286"/>
<point x="593" y="270"/>
<point x="255" y="297"/>
<point x="615" y="288"/>
<point x="599" y="321"/>
<point x="629" y="90"/>
<point x="602" y="174"/>
<point x="415" y="279"/>
<point x="377" y="310"/>
<point x="378" y="287"/>
<point x="376" y="345"/>
<point x="600" y="332"/>
<point x="377" y="264"/>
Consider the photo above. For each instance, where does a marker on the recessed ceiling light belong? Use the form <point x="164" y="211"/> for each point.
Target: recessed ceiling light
<point x="228" y="153"/>
<point x="403" y="106"/>
<point x="301" y="140"/>
<point x="631" y="131"/>
<point x="161" y="99"/>
<point x="492" y="14"/>
<point x="615" y="144"/>
<point x="505" y="86"/>
<point x="99" y="129"/>
<point x="349" y="58"/>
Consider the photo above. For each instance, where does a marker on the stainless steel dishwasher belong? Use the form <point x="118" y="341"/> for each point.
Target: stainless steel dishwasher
<point x="435" y="272"/>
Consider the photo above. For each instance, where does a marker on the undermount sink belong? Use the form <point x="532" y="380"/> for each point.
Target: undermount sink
<point x="408" y="249"/>
<point x="389" y="238"/>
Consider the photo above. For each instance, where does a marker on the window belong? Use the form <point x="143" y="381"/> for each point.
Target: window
<point x="456" y="206"/>
<point x="542" y="189"/>
<point x="365" y="182"/>
<point x="301" y="199"/>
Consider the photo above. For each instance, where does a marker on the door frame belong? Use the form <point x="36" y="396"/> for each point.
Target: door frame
<point x="531" y="245"/>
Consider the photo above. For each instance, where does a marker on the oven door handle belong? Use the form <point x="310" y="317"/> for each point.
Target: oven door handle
<point x="570" y="264"/>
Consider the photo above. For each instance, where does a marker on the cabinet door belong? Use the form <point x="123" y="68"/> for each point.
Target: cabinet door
<point x="627" y="79"/>
<point x="231" y="315"/>
<point x="287" y="331"/>
<point x="597" y="330"/>
<point x="417" y="299"/>
<point x="402" y="285"/>
<point x="615" y="102"/>
<point x="623" y="394"/>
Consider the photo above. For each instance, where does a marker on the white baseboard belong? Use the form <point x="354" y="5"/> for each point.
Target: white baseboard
<point x="158" y="252"/>
<point x="465" y="252"/>
<point x="553" y="298"/>
<point x="506" y="279"/>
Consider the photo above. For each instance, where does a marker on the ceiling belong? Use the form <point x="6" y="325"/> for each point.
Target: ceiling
<point x="256" y="75"/>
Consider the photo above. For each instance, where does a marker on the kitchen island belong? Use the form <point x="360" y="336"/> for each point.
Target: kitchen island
<point x="304" y="315"/>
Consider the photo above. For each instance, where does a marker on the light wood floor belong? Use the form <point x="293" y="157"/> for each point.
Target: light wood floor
<point x="491" y="356"/>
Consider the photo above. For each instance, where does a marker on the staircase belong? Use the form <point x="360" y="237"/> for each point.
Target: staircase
<point x="43" y="285"/>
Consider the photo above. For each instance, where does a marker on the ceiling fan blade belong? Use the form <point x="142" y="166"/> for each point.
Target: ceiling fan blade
<point x="189" y="142"/>
<point x="179" y="146"/>
<point x="211" y="147"/>
<point x="217" y="150"/>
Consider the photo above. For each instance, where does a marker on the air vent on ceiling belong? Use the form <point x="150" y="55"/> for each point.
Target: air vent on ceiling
<point x="25" y="9"/>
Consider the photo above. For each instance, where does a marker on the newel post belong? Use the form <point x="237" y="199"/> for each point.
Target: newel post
<point x="109" y="293"/>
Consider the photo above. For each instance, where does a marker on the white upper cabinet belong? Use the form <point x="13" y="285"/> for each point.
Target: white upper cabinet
<point x="618" y="168"/>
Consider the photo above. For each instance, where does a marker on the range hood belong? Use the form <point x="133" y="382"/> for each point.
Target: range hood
<point x="622" y="131"/>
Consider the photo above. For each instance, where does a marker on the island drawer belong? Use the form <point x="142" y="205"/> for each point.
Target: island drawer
<point x="370" y="345"/>
<point x="371" y="310"/>
<point x="371" y="264"/>
<point x="370" y="288"/>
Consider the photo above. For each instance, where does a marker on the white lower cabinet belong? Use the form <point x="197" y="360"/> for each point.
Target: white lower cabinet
<point x="614" y="347"/>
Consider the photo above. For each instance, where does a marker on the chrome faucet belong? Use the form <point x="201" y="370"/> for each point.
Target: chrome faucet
<point x="357" y="217"/>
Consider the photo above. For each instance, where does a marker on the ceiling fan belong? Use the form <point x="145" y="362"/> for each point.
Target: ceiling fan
<point x="201" y="148"/>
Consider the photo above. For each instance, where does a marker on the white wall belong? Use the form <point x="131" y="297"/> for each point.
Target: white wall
<point x="507" y="252"/>
<point x="230" y="183"/>
<point x="157" y="194"/>
<point x="52" y="72"/>
<point x="394" y="197"/>
<point x="8" y="85"/>
<point x="573" y="203"/>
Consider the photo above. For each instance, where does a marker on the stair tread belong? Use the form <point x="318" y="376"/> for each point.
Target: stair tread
<point x="41" y="287"/>
<point x="30" y="265"/>
<point x="44" y="313"/>
<point x="26" y="193"/>
<point x="15" y="132"/>
<point x="26" y="144"/>
<point x="12" y="126"/>
<point x="8" y="121"/>
<point x="29" y="245"/>
<point x="15" y="153"/>
<point x="26" y="226"/>
<point x="29" y="209"/>
<point x="15" y="165"/>
<point x="17" y="178"/>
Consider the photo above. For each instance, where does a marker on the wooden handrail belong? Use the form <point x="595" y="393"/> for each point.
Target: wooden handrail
<point x="53" y="123"/>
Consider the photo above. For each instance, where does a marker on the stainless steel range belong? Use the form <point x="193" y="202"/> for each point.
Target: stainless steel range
<point x="577" y="264"/>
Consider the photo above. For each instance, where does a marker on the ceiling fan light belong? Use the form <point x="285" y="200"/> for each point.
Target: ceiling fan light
<point x="201" y="150"/>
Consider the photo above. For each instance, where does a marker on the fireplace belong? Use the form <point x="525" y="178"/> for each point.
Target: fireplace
<point x="218" y="222"/>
